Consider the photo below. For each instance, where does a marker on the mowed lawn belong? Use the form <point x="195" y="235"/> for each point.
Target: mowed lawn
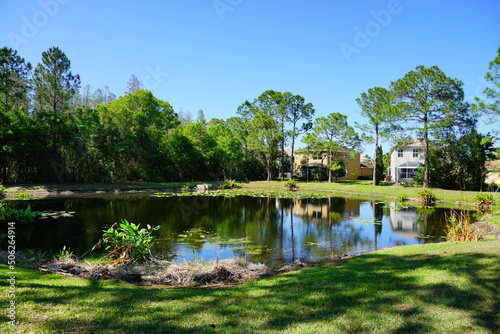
<point x="435" y="288"/>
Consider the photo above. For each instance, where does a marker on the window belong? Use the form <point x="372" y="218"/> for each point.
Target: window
<point x="415" y="152"/>
<point x="318" y="156"/>
<point x="400" y="153"/>
<point x="408" y="173"/>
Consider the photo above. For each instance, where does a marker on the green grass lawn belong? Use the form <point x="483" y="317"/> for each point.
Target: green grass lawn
<point x="434" y="288"/>
<point x="364" y="188"/>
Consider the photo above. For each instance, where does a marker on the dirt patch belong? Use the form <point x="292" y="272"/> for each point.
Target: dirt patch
<point x="188" y="274"/>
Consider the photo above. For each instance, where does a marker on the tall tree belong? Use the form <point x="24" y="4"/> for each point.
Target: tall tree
<point x="297" y="110"/>
<point x="377" y="105"/>
<point x="334" y="136"/>
<point x="134" y="85"/>
<point x="491" y="105"/>
<point x="265" y="134"/>
<point x="53" y="82"/>
<point x="54" y="90"/>
<point x="429" y="100"/>
<point x="14" y="78"/>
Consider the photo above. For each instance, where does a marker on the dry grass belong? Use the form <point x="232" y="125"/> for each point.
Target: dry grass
<point x="460" y="228"/>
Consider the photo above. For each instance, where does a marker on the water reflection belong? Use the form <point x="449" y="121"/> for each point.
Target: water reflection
<point x="270" y="230"/>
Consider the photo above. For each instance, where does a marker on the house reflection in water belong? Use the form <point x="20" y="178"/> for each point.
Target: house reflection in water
<point x="327" y="211"/>
<point x="404" y="221"/>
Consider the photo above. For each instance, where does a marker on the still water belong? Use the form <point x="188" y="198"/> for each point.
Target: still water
<point x="270" y="230"/>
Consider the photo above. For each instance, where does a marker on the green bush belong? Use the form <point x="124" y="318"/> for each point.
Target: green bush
<point x="384" y="183"/>
<point x="484" y="202"/>
<point x="427" y="198"/>
<point x="2" y="191"/>
<point x="230" y="184"/>
<point x="9" y="214"/>
<point x="126" y="243"/>
<point x="291" y="185"/>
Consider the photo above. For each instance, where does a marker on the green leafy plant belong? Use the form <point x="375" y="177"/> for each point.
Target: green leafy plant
<point x="384" y="183"/>
<point x="427" y="198"/>
<point x="291" y="185"/>
<point x="8" y="213"/>
<point x="484" y="202"/>
<point x="402" y="198"/>
<point x="127" y="242"/>
<point x="230" y="184"/>
<point x="2" y="191"/>
<point x="65" y="253"/>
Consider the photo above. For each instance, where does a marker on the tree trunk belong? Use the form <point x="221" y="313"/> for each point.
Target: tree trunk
<point x="374" y="179"/>
<point x="426" y="153"/>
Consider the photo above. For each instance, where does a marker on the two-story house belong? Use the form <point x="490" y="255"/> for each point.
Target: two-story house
<point x="353" y="168"/>
<point x="406" y="161"/>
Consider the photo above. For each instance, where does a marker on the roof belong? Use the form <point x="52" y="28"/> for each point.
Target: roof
<point x="492" y="165"/>
<point x="313" y="165"/>
<point x="410" y="164"/>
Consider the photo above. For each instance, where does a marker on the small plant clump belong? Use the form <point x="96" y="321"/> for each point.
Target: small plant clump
<point x="427" y="198"/>
<point x="8" y="213"/>
<point x="459" y="228"/>
<point x="484" y="202"/>
<point x="291" y="185"/>
<point x="230" y="184"/>
<point x="2" y="191"/>
<point x="127" y="243"/>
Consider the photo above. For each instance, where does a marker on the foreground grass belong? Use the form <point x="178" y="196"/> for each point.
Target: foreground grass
<point x="434" y="288"/>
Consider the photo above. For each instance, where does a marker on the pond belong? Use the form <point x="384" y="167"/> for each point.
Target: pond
<point x="265" y="229"/>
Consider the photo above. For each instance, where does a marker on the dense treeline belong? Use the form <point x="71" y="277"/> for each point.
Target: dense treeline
<point x="53" y="130"/>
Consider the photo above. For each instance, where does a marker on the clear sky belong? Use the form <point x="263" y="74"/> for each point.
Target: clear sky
<point x="215" y="54"/>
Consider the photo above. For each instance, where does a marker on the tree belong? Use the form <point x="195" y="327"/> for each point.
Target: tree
<point x="264" y="135"/>
<point x="378" y="106"/>
<point x="296" y="111"/>
<point x="54" y="84"/>
<point x="133" y="85"/>
<point x="14" y="89"/>
<point x="54" y="90"/>
<point x="491" y="106"/>
<point x="14" y="78"/>
<point x="379" y="165"/>
<point x="334" y="136"/>
<point x="428" y="100"/>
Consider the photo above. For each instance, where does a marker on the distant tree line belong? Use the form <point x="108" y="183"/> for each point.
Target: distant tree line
<point x="52" y="130"/>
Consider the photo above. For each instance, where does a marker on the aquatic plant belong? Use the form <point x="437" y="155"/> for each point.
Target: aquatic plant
<point x="127" y="242"/>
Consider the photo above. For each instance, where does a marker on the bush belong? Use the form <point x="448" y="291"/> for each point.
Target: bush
<point x="2" y="191"/>
<point x="384" y="183"/>
<point x="230" y="184"/>
<point x="8" y="214"/>
<point x="427" y="198"/>
<point x="291" y="185"/>
<point x="365" y="177"/>
<point x="484" y="202"/>
<point x="126" y="243"/>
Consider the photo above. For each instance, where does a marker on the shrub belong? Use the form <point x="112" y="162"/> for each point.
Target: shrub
<point x="484" y="202"/>
<point x="459" y="228"/>
<point x="291" y="185"/>
<point x="8" y="214"/>
<point x="402" y="198"/>
<point x="384" y="183"/>
<point x="230" y="184"/>
<point x="126" y="243"/>
<point x="427" y="198"/>
<point x="2" y="191"/>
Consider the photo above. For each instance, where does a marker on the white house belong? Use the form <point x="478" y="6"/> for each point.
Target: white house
<point x="406" y="161"/>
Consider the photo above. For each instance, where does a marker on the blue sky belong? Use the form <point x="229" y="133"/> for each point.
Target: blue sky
<point x="215" y="54"/>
